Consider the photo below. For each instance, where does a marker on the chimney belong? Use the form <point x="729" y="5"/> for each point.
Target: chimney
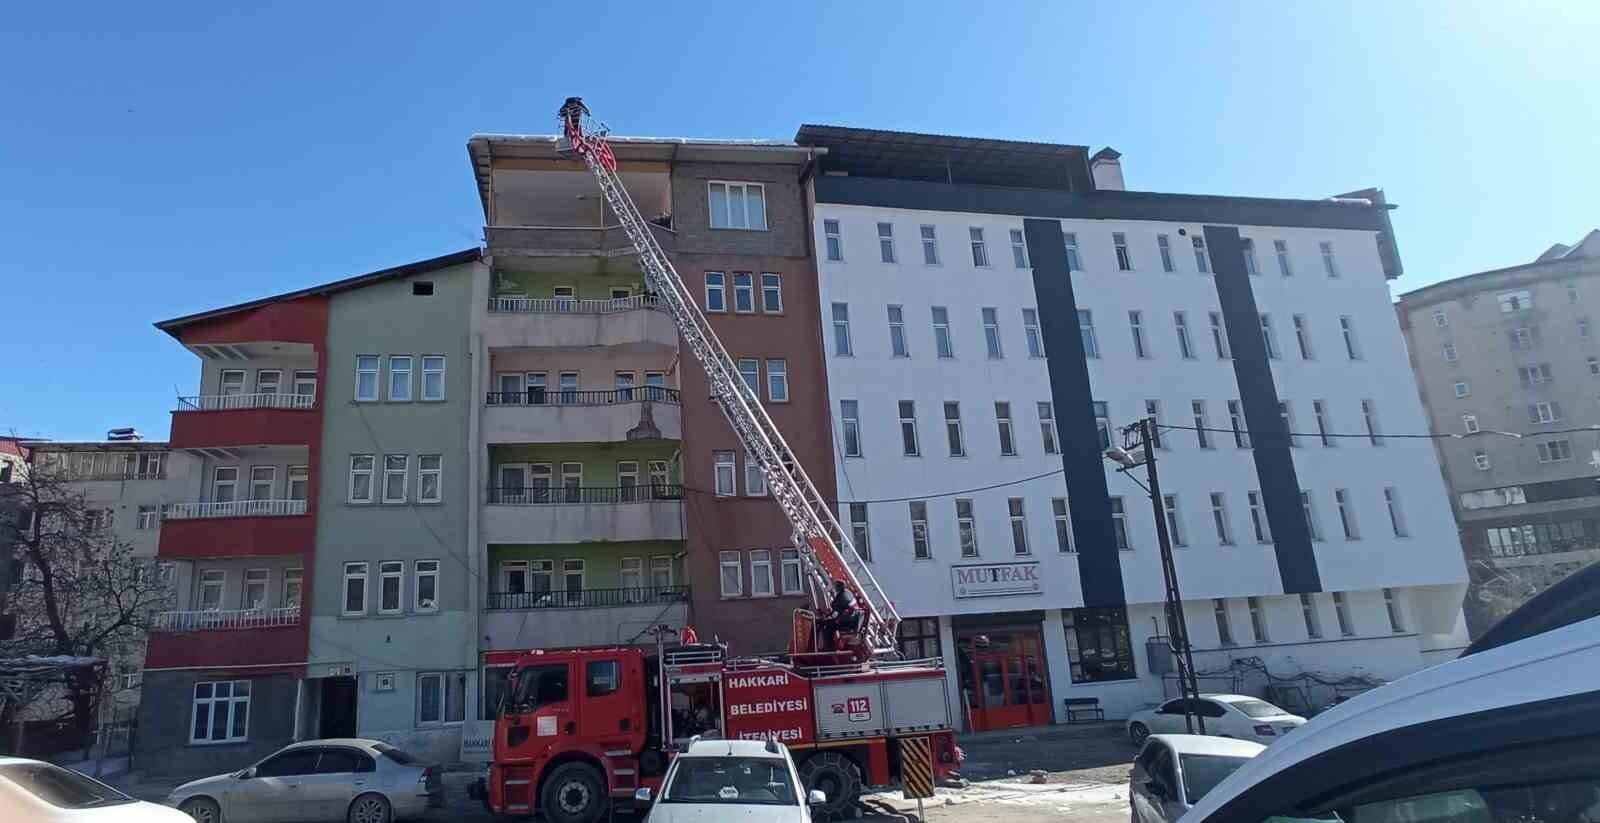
<point x="1106" y="168"/>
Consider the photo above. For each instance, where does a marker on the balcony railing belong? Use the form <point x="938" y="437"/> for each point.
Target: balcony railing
<point x="588" y="598"/>
<point x="260" y="400"/>
<point x="540" y="396"/>
<point x="557" y="495"/>
<point x="568" y="305"/>
<point x="236" y="508"/>
<point x="213" y="619"/>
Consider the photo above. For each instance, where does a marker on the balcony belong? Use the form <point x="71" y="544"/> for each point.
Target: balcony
<point x="235" y="420"/>
<point x="527" y="322"/>
<point x="538" y="416"/>
<point x="570" y="241"/>
<point x="586" y="617"/>
<point x="230" y="402"/>
<point x="195" y="620"/>
<point x="182" y="639"/>
<point x="237" y="528"/>
<point x="583" y="514"/>
<point x="236" y="508"/>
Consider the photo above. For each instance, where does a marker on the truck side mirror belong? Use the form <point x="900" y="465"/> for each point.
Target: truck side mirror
<point x="641" y="794"/>
<point x="815" y="797"/>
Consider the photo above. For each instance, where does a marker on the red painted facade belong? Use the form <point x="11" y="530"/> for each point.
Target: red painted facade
<point x="279" y="648"/>
<point x="245" y="427"/>
<point x="304" y="320"/>
<point x="238" y="536"/>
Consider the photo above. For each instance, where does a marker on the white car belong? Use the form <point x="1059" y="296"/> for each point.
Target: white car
<point x="751" y="780"/>
<point x="1226" y="715"/>
<point x="1173" y="771"/>
<point x="359" y="781"/>
<point x="33" y="790"/>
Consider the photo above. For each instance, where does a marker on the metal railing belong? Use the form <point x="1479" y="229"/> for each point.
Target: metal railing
<point x="210" y="619"/>
<point x="570" y="305"/>
<point x="260" y="400"/>
<point x="588" y="598"/>
<point x="542" y="396"/>
<point x="558" y="495"/>
<point x="130" y="474"/>
<point x="236" y="508"/>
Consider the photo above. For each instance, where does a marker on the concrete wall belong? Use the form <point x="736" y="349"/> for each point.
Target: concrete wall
<point x="586" y="287"/>
<point x="650" y="327"/>
<point x="161" y="745"/>
<point x="575" y="522"/>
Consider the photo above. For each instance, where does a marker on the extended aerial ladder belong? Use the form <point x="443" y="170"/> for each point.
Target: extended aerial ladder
<point x="825" y="548"/>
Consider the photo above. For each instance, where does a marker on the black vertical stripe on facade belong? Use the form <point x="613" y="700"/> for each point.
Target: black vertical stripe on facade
<point x="1269" y="437"/>
<point x="1099" y="562"/>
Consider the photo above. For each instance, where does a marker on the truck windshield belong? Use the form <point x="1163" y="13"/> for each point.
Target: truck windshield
<point x="537" y="686"/>
<point x="762" y="781"/>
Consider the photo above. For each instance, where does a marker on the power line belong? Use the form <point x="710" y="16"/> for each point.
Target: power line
<point x="1381" y="435"/>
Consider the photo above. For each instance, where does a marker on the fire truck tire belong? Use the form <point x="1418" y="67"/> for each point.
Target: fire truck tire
<point x="838" y="778"/>
<point x="574" y="793"/>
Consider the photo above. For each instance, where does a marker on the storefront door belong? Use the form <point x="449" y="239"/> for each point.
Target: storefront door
<point x="1003" y="681"/>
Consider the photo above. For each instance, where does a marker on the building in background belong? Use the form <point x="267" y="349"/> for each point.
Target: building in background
<point x="994" y="312"/>
<point x="1515" y="350"/>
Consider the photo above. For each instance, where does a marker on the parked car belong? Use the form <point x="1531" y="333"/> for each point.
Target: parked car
<point x="752" y="780"/>
<point x="359" y="781"/>
<point x="1173" y="771"/>
<point x="33" y="790"/>
<point x="1508" y="731"/>
<point x="1226" y="715"/>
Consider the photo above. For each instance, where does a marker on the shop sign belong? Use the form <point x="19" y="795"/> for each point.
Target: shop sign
<point x="996" y="579"/>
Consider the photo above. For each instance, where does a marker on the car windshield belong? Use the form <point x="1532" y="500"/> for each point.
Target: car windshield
<point x="62" y="788"/>
<point x="763" y="781"/>
<point x="400" y="756"/>
<point x="1257" y="708"/>
<point x="1202" y="772"/>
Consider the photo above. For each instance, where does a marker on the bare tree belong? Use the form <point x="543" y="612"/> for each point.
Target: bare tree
<point x="82" y="592"/>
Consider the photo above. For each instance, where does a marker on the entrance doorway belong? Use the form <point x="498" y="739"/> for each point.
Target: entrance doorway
<point x="337" y="716"/>
<point x="1003" y="680"/>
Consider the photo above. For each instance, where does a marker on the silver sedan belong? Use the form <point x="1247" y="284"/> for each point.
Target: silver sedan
<point x="359" y="781"/>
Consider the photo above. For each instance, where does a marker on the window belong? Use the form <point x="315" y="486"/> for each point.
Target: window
<point x="1572" y="293"/>
<point x="1535" y="375"/>
<point x="1469" y="422"/>
<point x="750" y="370"/>
<point x="1058" y="509"/>
<point x="1201" y="427"/>
<point x="1449" y="352"/>
<point x="1309" y="511"/>
<point x="755" y="481"/>
<point x="1219" y="337"/>
<point x="293" y="588"/>
<point x="731" y="569"/>
<point x="1258" y="620"/>
<point x="367" y="378"/>
<point x="1347" y="327"/>
<point x="771" y="293"/>
<point x="1329" y="265"/>
<point x="1071" y="242"/>
<point x="860" y="533"/>
<point x="1440" y="319"/>
<point x="1102" y="423"/>
<point x="1347" y="514"/>
<point x="1281" y="248"/>
<point x="1202" y="263"/>
<point x="1098" y="645"/>
<point x="1047" y="427"/>
<point x="1152" y="409"/>
<point x="1248" y="247"/>
<point x="908" y="429"/>
<point x="1544" y="411"/>
<point x="1019" y="526"/>
<point x="1397" y="520"/>
<point x="1555" y="451"/>
<point x="778" y="380"/>
<point x="1091" y="346"/>
<point x="1341" y="610"/>
<point x="429" y="469"/>
<point x="268" y="380"/>
<point x="1164" y="245"/>
<point x="930" y="246"/>
<point x="355" y="588"/>
<point x="1219" y="519"/>
<point x="1515" y="301"/>
<point x="1594" y="365"/>
<point x="1369" y="416"/>
<point x="850" y="427"/>
<point x="399" y="377"/>
<point x="1302" y="336"/>
<point x="991" y="332"/>
<point x="1269" y="339"/>
<point x="738" y="206"/>
<point x="1180" y="321"/>
<point x="966" y="528"/>
<point x="224" y="484"/>
<point x="1286" y="414"/>
<point x="919" y="638"/>
<point x="1119" y="241"/>
<point x="441" y="697"/>
<point x="716" y="291"/>
<point x="980" y="251"/>
<point x="1462" y="388"/>
<point x="1308" y="611"/>
<point x="788" y="573"/>
<point x="886" y="242"/>
<point x="1480" y="459"/>
<point x="1241" y="434"/>
<point x="1258" y="517"/>
<point x="744" y="292"/>
<point x="1002" y="419"/>
<point x="1524" y="338"/>
<point x="920" y="548"/>
<point x="222" y="715"/>
<point x="232" y="382"/>
<point x="389" y="586"/>
<point x="360" y="478"/>
<point x="952" y="429"/>
<point x="1136" y="326"/>
<point x="148" y="518"/>
<point x="1030" y="332"/>
<point x="761" y="573"/>
<point x="254" y="595"/>
<point x="1219" y="609"/>
<point x="1169" y="504"/>
<point x="841" y="330"/>
<point x="150" y="464"/>
<point x="262" y="481"/>
<point x="432" y="377"/>
<point x="212" y="583"/>
<point x="1119" y="524"/>
<point x="1583" y="327"/>
<point x="723" y="472"/>
<point x="395" y="470"/>
<point x="941" y="333"/>
<point x="628" y="479"/>
<point x="832" y="241"/>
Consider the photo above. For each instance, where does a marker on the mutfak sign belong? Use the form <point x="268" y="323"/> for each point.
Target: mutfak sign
<point x="994" y="579"/>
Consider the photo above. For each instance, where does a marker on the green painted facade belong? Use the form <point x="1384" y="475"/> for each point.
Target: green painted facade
<point x="602" y="561"/>
<point x="585" y="286"/>
<point x="599" y="460"/>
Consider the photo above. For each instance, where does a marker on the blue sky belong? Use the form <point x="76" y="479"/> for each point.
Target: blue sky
<point x="163" y="158"/>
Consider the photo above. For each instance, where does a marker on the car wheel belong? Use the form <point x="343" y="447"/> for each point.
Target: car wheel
<point x="370" y="808"/>
<point x="1137" y="732"/>
<point x="202" y="809"/>
<point x="574" y="793"/>
<point x="837" y="777"/>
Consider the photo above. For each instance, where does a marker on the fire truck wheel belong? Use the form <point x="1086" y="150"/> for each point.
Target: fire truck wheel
<point x="574" y="793"/>
<point x="838" y="778"/>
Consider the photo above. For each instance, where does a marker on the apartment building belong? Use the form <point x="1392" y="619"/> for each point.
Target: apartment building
<point x="1514" y="351"/>
<point x="994" y="312"/>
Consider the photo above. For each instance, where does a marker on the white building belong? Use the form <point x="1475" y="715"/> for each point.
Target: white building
<point x="961" y="356"/>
